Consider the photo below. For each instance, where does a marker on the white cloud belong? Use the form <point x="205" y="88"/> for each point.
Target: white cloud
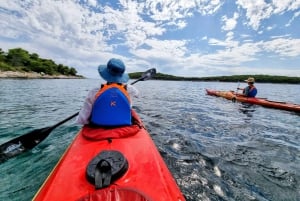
<point x="150" y="32"/>
<point x="286" y="5"/>
<point x="229" y="36"/>
<point x="213" y="41"/>
<point x="256" y="11"/>
<point x="283" y="47"/>
<point x="163" y="50"/>
<point x="296" y="14"/>
<point x="259" y="10"/>
<point x="169" y="10"/>
<point x="92" y="2"/>
<point x="230" y="23"/>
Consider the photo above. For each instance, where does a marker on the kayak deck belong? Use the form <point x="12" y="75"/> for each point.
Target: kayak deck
<point x="147" y="173"/>
<point x="231" y="95"/>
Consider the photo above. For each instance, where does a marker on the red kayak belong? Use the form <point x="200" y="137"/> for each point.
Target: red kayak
<point x="104" y="164"/>
<point x="231" y="95"/>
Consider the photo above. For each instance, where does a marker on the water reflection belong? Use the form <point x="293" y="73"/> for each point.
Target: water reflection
<point x="247" y="109"/>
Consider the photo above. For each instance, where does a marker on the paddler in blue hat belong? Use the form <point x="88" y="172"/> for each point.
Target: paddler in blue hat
<point x="110" y="104"/>
<point x="250" y="90"/>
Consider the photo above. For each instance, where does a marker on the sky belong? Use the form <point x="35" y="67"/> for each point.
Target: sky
<point x="191" y="38"/>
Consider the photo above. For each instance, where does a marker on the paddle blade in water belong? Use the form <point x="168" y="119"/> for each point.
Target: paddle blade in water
<point x="23" y="143"/>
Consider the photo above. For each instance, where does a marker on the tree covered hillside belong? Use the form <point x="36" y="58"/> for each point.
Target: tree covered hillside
<point x="18" y="59"/>
<point x="232" y="78"/>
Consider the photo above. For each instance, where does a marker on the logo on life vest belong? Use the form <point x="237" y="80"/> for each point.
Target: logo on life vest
<point x="113" y="103"/>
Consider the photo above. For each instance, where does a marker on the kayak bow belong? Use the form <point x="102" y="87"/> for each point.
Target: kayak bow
<point x="113" y="166"/>
<point x="230" y="95"/>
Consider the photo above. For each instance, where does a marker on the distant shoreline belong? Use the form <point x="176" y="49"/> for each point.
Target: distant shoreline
<point x="34" y="75"/>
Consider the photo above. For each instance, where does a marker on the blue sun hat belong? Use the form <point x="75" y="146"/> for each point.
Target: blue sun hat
<point x="113" y="71"/>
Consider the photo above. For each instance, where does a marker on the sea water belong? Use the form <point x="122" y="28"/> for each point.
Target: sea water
<point x="215" y="149"/>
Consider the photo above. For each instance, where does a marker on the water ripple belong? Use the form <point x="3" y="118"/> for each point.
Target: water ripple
<point x="216" y="149"/>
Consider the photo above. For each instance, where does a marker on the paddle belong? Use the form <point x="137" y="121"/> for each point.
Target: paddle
<point x="236" y="92"/>
<point x="146" y="75"/>
<point x="238" y="87"/>
<point x="29" y="140"/>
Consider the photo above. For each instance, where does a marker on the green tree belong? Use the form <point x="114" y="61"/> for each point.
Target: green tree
<point x="2" y="55"/>
<point x="72" y="71"/>
<point x="34" y="56"/>
<point x="63" y="69"/>
<point x="36" y="66"/>
<point x="18" y="57"/>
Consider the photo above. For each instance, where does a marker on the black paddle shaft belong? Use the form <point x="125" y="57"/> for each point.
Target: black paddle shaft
<point x="29" y="140"/>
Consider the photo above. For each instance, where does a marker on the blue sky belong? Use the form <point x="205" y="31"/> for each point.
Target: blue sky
<point x="195" y="38"/>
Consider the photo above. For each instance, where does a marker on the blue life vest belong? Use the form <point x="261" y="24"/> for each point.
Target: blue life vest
<point x="250" y="91"/>
<point x="112" y="106"/>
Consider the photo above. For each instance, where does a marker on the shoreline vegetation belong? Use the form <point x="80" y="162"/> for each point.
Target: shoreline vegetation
<point x="19" y="63"/>
<point x="231" y="78"/>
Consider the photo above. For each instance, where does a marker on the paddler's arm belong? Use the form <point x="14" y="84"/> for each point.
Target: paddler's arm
<point x="244" y="91"/>
<point x="85" y="112"/>
<point x="133" y="92"/>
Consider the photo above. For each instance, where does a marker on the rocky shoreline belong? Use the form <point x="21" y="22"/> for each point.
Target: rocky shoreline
<point x="34" y="75"/>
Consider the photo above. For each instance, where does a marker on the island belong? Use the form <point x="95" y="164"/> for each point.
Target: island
<point x="19" y="63"/>
<point x="232" y="78"/>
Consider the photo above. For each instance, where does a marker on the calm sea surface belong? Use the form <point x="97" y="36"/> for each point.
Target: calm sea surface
<point x="216" y="149"/>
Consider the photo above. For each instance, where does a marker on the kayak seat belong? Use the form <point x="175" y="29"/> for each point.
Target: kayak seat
<point x="105" y="168"/>
<point x="95" y="133"/>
